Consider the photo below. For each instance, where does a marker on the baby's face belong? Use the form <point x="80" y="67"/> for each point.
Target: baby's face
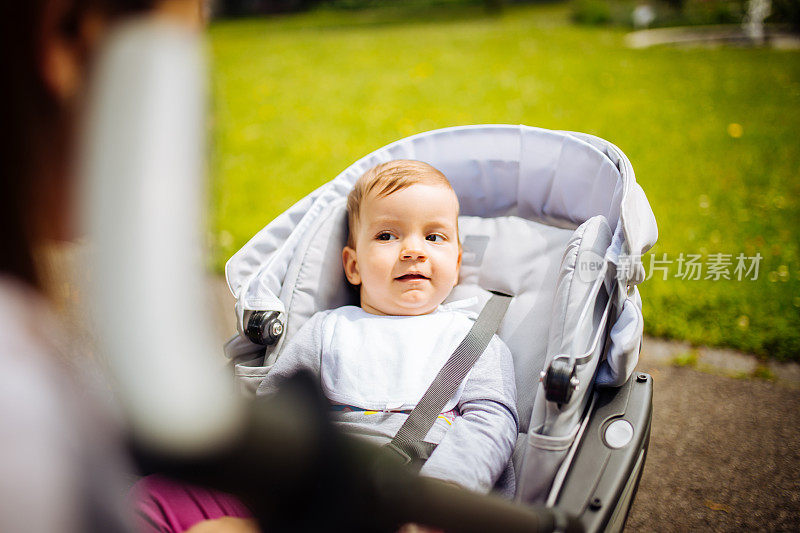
<point x="406" y="255"/>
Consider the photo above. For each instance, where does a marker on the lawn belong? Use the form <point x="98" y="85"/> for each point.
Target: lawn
<point x="712" y="134"/>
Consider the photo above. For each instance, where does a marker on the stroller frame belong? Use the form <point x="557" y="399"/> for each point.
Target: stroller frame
<point x="598" y="477"/>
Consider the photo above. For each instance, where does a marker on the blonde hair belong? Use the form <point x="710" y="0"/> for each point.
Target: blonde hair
<point x="385" y="179"/>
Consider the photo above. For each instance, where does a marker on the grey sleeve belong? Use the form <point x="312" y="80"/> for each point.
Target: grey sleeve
<point x="476" y="449"/>
<point x="302" y="352"/>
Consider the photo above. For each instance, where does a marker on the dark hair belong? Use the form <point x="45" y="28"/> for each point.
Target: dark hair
<point x="36" y="128"/>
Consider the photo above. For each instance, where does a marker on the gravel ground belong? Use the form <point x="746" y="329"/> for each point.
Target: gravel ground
<point x="724" y="453"/>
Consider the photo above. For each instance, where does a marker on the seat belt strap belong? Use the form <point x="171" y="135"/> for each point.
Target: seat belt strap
<point x="408" y="442"/>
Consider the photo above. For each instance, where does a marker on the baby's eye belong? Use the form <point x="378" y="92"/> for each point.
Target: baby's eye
<point x="384" y="236"/>
<point x="435" y="237"/>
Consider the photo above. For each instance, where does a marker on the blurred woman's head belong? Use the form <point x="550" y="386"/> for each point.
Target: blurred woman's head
<point x="45" y="52"/>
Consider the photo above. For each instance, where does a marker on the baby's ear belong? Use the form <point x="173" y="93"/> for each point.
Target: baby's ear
<point x="350" y="265"/>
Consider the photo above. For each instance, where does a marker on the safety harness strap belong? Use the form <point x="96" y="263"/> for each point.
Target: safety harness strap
<point x="409" y="443"/>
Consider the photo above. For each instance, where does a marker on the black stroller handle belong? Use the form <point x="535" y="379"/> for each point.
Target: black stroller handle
<point x="296" y="472"/>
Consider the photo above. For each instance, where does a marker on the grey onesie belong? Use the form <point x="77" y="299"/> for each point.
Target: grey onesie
<point x="473" y="449"/>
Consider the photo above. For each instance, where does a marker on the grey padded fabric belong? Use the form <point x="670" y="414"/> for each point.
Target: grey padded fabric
<point x="552" y="427"/>
<point x="315" y="279"/>
<point x="577" y="275"/>
<point x="519" y="257"/>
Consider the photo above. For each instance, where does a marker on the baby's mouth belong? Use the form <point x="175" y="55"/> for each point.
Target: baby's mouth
<point x="411" y="277"/>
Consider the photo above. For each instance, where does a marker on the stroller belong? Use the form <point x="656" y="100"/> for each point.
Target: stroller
<point x="555" y="219"/>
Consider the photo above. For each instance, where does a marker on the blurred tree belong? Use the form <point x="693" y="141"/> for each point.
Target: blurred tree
<point x="787" y="11"/>
<point x="228" y="8"/>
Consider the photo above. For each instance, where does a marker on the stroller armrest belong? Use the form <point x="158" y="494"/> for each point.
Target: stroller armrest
<point x="605" y="471"/>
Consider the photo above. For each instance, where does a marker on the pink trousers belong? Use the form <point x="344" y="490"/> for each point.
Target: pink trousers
<point x="166" y="506"/>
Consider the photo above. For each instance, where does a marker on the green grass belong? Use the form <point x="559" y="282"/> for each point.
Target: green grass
<point x="299" y="98"/>
<point x="686" y="359"/>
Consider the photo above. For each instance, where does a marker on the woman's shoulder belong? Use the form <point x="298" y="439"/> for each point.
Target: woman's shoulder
<point x="28" y="330"/>
<point x="33" y="387"/>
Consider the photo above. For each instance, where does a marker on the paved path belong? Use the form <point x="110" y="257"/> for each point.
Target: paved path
<point x="776" y="36"/>
<point x="724" y="453"/>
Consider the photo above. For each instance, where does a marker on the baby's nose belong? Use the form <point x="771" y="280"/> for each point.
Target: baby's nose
<point x="412" y="254"/>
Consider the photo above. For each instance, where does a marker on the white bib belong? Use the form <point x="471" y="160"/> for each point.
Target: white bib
<point x="386" y="363"/>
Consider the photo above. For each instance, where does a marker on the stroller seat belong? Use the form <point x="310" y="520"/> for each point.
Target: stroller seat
<point x="547" y="217"/>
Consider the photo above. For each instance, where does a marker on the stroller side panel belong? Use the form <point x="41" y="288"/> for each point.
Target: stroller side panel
<point x="601" y="480"/>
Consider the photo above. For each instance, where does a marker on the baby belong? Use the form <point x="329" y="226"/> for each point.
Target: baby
<point x="376" y="361"/>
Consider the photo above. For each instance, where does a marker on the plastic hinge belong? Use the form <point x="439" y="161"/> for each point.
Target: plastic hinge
<point x="560" y="380"/>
